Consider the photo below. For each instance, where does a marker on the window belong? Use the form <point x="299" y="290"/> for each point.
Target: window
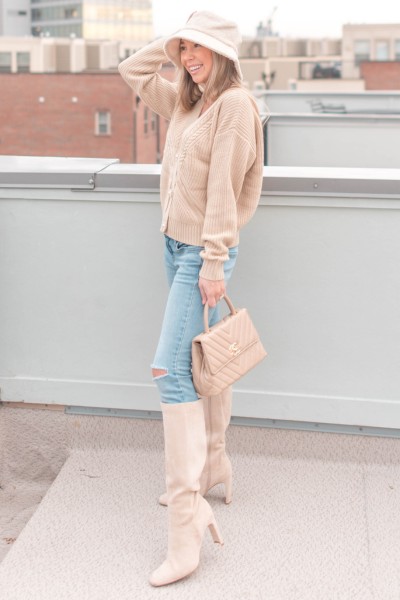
<point x="153" y="121"/>
<point x="103" y="122"/>
<point x="56" y="13"/>
<point x="146" y="120"/>
<point x="5" y="62"/>
<point x="362" y="51"/>
<point x="23" y="62"/>
<point x="382" y="50"/>
<point x="397" y="50"/>
<point x="17" y="13"/>
<point x="71" y="13"/>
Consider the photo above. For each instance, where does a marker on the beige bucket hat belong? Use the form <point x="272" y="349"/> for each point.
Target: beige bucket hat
<point x="209" y="30"/>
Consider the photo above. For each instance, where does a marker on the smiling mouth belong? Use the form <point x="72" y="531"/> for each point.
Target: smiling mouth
<point x="195" y="68"/>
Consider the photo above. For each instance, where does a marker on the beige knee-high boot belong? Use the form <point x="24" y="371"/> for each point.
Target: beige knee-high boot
<point x="189" y="514"/>
<point x="217" y="468"/>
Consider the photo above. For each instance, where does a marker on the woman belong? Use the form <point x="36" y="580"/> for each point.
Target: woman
<point x="210" y="186"/>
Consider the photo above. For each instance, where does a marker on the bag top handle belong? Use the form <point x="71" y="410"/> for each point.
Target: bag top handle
<point x="230" y="306"/>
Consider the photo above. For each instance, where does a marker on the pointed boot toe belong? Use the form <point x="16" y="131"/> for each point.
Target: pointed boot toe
<point x="168" y="573"/>
<point x="163" y="499"/>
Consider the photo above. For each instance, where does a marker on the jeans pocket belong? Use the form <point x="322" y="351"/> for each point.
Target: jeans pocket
<point x="188" y="248"/>
<point x="180" y="245"/>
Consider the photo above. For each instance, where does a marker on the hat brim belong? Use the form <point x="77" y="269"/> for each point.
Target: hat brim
<point x="172" y="46"/>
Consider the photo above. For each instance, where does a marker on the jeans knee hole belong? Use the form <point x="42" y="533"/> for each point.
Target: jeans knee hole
<point x="159" y="373"/>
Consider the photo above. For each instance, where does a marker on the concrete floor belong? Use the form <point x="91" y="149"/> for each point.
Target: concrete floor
<point x="315" y="516"/>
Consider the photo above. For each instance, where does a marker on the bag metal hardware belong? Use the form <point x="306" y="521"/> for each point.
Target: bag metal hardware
<point x="234" y="349"/>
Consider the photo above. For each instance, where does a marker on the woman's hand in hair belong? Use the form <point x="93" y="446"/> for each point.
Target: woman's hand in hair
<point x="211" y="291"/>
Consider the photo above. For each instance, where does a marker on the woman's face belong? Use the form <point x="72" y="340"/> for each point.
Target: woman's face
<point x="197" y="60"/>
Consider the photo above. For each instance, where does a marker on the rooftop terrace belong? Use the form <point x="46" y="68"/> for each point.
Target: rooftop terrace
<point x="315" y="512"/>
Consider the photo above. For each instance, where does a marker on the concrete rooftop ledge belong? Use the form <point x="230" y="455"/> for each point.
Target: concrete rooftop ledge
<point x="318" y="271"/>
<point x="105" y="175"/>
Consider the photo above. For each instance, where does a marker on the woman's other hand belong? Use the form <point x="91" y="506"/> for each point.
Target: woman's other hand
<point x="211" y="291"/>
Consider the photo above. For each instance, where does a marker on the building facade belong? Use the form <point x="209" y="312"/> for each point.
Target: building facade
<point x="95" y="115"/>
<point x="369" y="42"/>
<point x="57" y="55"/>
<point x="15" y="17"/>
<point x="288" y="63"/>
<point x="93" y="19"/>
<point x="381" y="75"/>
<point x="325" y="64"/>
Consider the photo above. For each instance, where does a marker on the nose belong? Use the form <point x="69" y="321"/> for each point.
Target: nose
<point x="187" y="54"/>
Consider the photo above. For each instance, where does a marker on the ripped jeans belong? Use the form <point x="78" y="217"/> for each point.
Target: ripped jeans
<point x="183" y="320"/>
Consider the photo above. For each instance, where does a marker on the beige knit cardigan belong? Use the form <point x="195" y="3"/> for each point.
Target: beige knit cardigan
<point x="212" y="168"/>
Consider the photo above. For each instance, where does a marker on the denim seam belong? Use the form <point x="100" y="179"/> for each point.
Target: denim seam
<point x="182" y="336"/>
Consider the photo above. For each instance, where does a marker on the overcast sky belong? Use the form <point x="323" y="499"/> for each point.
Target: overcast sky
<point x="312" y="18"/>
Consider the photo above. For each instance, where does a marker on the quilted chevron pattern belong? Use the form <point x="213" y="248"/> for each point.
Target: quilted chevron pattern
<point x="224" y="354"/>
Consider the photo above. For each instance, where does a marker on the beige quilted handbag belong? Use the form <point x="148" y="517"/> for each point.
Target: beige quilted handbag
<point x="225" y="352"/>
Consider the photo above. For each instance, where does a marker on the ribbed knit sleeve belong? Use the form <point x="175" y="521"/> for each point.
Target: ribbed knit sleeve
<point x="140" y="71"/>
<point x="236" y="162"/>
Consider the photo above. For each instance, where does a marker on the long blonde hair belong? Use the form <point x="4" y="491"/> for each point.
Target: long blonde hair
<point x="223" y="76"/>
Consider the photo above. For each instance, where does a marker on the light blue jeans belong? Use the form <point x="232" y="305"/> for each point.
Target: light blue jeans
<point x="183" y="320"/>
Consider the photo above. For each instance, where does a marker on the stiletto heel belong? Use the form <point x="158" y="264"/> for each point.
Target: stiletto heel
<point x="215" y="533"/>
<point x="228" y="489"/>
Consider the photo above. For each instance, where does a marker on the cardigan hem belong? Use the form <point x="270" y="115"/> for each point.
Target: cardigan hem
<point x="191" y="234"/>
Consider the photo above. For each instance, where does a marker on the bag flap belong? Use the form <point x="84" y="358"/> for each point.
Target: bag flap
<point x="227" y="340"/>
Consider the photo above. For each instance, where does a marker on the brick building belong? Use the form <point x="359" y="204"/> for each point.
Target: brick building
<point x="78" y="114"/>
<point x="381" y="75"/>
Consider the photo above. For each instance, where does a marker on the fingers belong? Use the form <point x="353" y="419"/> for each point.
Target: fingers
<point x="202" y="293"/>
<point x="211" y="291"/>
<point x="214" y="299"/>
<point x="211" y="301"/>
